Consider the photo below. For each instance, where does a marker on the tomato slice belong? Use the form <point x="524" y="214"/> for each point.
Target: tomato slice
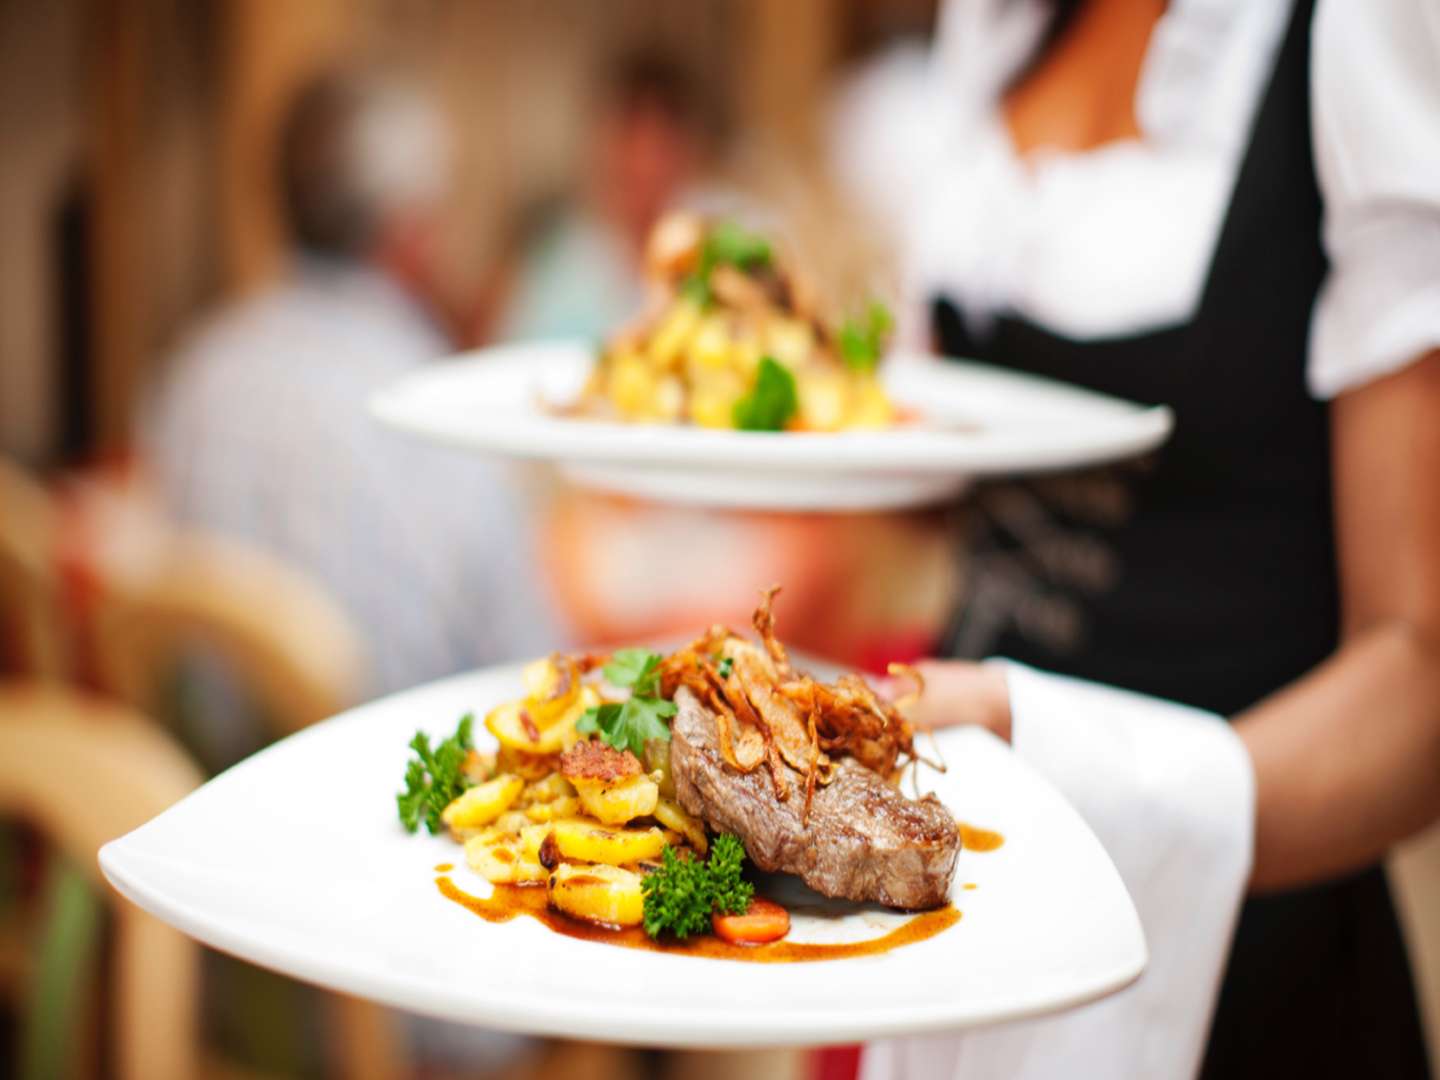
<point x="762" y="923"/>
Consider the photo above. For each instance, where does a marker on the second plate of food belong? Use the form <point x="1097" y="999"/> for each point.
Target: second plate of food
<point x="963" y="421"/>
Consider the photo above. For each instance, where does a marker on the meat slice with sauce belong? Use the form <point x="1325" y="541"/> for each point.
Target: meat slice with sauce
<point x="863" y="840"/>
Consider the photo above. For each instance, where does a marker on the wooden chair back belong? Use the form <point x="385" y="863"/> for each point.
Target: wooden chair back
<point x="119" y="771"/>
<point x="293" y="649"/>
<point x="31" y="619"/>
<point x="291" y="646"/>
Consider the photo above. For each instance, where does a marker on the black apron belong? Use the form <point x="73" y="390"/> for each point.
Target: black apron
<point x="1206" y="574"/>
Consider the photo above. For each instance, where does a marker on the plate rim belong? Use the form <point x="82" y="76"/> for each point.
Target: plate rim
<point x="1131" y="428"/>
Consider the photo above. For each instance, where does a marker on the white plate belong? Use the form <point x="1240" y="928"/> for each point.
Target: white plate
<point x="976" y="421"/>
<point x="294" y="860"/>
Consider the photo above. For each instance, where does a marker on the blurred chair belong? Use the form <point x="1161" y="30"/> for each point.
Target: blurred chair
<point x="31" y="621"/>
<point x="1414" y="871"/>
<point x="118" y="771"/>
<point x="293" y="651"/>
<point x="283" y="636"/>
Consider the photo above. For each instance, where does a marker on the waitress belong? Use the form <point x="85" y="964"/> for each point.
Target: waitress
<point x="1231" y="207"/>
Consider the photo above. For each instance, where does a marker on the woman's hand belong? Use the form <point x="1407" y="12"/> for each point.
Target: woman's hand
<point x="956" y="692"/>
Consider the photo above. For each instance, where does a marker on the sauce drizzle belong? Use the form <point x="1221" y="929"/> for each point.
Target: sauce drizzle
<point x="444" y="868"/>
<point x="509" y="901"/>
<point x="978" y="840"/>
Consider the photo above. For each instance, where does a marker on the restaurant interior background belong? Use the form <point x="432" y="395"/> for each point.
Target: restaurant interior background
<point x="139" y="194"/>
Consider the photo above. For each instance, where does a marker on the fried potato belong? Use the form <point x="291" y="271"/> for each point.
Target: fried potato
<point x="599" y="893"/>
<point x="518" y="729"/>
<point x="511" y="822"/>
<point x="552" y="686"/>
<point x="548" y="789"/>
<point x="618" y="802"/>
<point x="503" y="862"/>
<point x="590" y="842"/>
<point x="566" y="807"/>
<point x="527" y="766"/>
<point x="482" y="804"/>
<point x="673" y="816"/>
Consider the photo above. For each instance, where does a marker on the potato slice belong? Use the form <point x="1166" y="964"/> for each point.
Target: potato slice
<point x="599" y="894"/>
<point x="503" y="862"/>
<point x="482" y="804"/>
<point x="674" y="816"/>
<point x="590" y="842"/>
<point x="547" y="790"/>
<point x="567" y="807"/>
<point x="617" y="803"/>
<point x="552" y="686"/>
<point x="517" y="729"/>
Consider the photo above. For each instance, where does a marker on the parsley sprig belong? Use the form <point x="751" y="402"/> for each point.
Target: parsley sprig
<point x="433" y="777"/>
<point x="630" y="724"/>
<point x="862" y="341"/>
<point x="681" y="896"/>
<point x="771" y="402"/>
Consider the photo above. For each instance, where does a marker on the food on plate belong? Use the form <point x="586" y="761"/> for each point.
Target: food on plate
<point x="633" y="798"/>
<point x="862" y="840"/>
<point x="733" y="339"/>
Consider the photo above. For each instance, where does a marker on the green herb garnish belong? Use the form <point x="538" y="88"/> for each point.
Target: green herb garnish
<point x="862" y="341"/>
<point x="724" y="666"/>
<point x="433" y="778"/>
<point x="727" y="243"/>
<point x="681" y="896"/>
<point x="771" y="402"/>
<point x="630" y="724"/>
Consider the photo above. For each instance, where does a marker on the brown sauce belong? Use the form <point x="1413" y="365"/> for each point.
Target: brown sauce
<point x="973" y="839"/>
<point x="509" y="901"/>
<point x="444" y="868"/>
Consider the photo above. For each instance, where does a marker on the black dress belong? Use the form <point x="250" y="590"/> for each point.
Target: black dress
<point x="1207" y="575"/>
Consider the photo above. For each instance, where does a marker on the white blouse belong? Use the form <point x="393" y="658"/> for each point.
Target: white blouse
<point x="1118" y="240"/>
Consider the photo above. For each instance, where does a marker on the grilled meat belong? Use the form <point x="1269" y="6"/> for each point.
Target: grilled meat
<point x="863" y="840"/>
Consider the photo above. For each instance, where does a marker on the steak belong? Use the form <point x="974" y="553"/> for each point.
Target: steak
<point x="864" y="840"/>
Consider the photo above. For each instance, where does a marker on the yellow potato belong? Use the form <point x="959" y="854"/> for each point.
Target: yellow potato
<point x="511" y="822"/>
<point x="507" y="723"/>
<point x="503" y="862"/>
<point x="531" y="837"/>
<point x="617" y="803"/>
<point x="673" y="816"/>
<point x="551" y="686"/>
<point x="568" y="806"/>
<point x="482" y="804"/>
<point x="869" y="407"/>
<point x="552" y="787"/>
<point x="599" y="893"/>
<point x="594" y="843"/>
<point x="673" y="333"/>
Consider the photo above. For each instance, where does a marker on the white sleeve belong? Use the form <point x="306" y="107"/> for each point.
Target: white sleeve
<point x="1170" y="792"/>
<point x="1375" y="107"/>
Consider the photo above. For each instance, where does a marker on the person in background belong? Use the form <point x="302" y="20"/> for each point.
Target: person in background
<point x="580" y="273"/>
<point x="260" y="429"/>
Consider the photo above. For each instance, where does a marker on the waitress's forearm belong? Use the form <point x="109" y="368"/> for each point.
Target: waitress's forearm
<point x="1347" y="759"/>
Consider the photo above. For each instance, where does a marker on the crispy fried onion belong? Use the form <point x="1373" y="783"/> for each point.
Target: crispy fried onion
<point x="767" y="713"/>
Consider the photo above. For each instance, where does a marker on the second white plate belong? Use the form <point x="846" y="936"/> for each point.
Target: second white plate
<point x="974" y="421"/>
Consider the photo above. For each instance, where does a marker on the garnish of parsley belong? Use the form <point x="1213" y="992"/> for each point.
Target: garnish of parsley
<point x="434" y="777"/>
<point x="630" y="724"/>
<point x="681" y="896"/>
